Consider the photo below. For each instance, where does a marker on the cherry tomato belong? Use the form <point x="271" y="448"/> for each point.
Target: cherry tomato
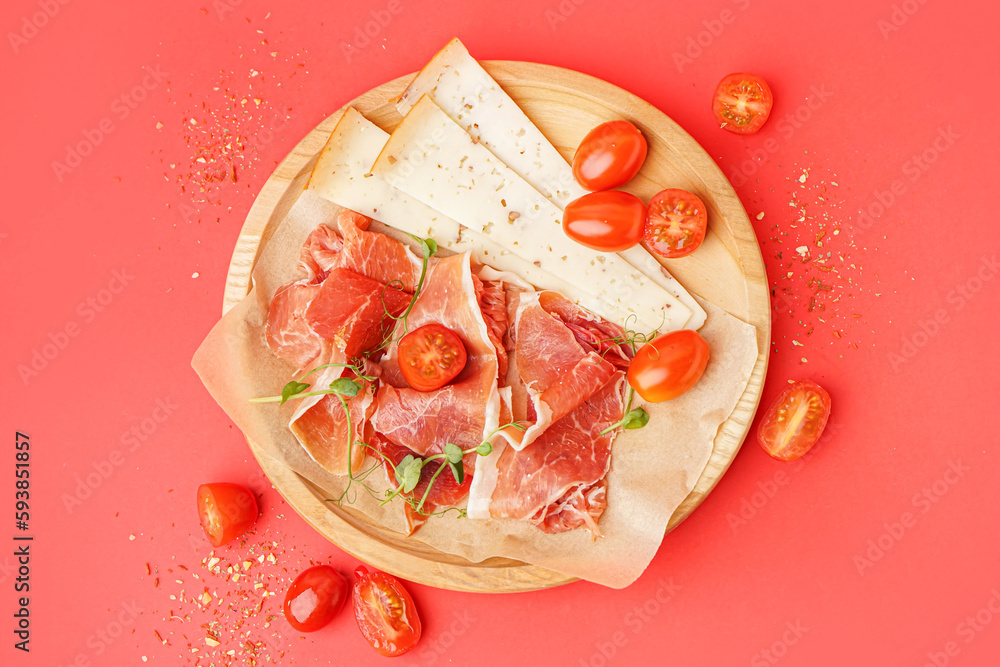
<point x="668" y="366"/>
<point x="610" y="220"/>
<point x="610" y="155"/>
<point x="430" y="357"/>
<point x="314" y="598"/>
<point x="795" y="420"/>
<point x="742" y="103"/>
<point x="385" y="613"/>
<point x="675" y="223"/>
<point x="226" y="511"/>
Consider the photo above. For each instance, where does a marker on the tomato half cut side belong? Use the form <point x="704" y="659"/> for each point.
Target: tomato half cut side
<point x="430" y="357"/>
<point x="676" y="223"/>
<point x="610" y="220"/>
<point x="226" y="511"/>
<point x="610" y="155"/>
<point x="314" y="598"/>
<point x="795" y="420"/>
<point x="742" y="102"/>
<point x="669" y="365"/>
<point x="385" y="613"/>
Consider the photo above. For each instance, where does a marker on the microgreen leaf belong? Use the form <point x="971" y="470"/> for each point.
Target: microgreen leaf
<point x="429" y="247"/>
<point x="457" y="470"/>
<point x="636" y="418"/>
<point x="345" y="387"/>
<point x="402" y="466"/>
<point x="291" y="389"/>
<point x="484" y="448"/>
<point x="411" y="475"/>
<point x="453" y="453"/>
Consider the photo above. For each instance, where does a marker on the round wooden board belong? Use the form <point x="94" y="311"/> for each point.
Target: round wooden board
<point x="727" y="270"/>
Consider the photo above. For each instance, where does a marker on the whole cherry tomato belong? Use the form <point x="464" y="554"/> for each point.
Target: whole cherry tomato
<point x="795" y="420"/>
<point x="314" y="598"/>
<point x="668" y="366"/>
<point x="385" y="613"/>
<point x="742" y="103"/>
<point x="430" y="357"/>
<point x="226" y="511"/>
<point x="675" y="223"/>
<point x="610" y="155"/>
<point x="609" y="220"/>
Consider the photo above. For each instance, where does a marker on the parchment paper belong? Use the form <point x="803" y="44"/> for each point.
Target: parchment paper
<point x="653" y="469"/>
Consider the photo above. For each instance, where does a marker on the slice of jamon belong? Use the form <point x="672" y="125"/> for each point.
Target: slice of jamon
<point x="288" y="332"/>
<point x="354" y="311"/>
<point x="321" y="424"/>
<point x="467" y="409"/>
<point x="321" y="251"/>
<point x="558" y="373"/>
<point x="444" y="493"/>
<point x="558" y="482"/>
<point x="591" y="331"/>
<point x="492" y="297"/>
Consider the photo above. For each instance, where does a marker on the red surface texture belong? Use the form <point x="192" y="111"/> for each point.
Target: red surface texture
<point x="136" y="136"/>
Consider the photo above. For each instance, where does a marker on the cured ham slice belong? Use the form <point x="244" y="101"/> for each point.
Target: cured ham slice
<point x="464" y="411"/>
<point x="444" y="493"/>
<point x="355" y="311"/>
<point x="557" y="371"/>
<point x="353" y="282"/>
<point x="321" y="425"/>
<point x="288" y="331"/>
<point x="558" y="482"/>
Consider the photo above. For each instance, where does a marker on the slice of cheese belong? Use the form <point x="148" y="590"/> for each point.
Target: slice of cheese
<point x="435" y="161"/>
<point x="475" y="101"/>
<point x="343" y="175"/>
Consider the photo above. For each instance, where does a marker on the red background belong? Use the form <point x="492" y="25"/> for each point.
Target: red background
<point x="868" y="552"/>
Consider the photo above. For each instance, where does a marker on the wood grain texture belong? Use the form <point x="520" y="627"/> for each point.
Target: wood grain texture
<point x="727" y="270"/>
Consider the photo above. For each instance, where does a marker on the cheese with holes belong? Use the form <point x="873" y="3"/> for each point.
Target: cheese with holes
<point x="343" y="175"/>
<point x="434" y="160"/>
<point x="460" y="86"/>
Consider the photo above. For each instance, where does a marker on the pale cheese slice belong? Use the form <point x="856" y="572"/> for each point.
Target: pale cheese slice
<point x="343" y="175"/>
<point x="434" y="160"/>
<point x="474" y="100"/>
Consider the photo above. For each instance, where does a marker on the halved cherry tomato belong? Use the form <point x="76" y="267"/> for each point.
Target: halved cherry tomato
<point x="669" y="365"/>
<point x="610" y="155"/>
<point x="795" y="420"/>
<point x="430" y="357"/>
<point x="676" y="223"/>
<point x="610" y="220"/>
<point x="314" y="598"/>
<point x="385" y="613"/>
<point x="742" y="103"/>
<point x="226" y="511"/>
